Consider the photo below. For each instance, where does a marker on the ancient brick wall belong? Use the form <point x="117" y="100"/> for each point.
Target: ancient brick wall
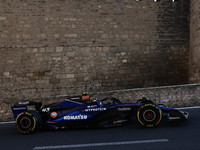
<point x="64" y="47"/>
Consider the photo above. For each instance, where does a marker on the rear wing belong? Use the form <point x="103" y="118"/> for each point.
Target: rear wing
<point x="20" y="107"/>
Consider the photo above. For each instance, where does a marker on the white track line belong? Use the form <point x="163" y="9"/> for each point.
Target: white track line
<point x="7" y="122"/>
<point x="102" y="144"/>
<point x="195" y="107"/>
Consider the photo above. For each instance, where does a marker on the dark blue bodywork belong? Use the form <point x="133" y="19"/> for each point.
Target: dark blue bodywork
<point x="98" y="113"/>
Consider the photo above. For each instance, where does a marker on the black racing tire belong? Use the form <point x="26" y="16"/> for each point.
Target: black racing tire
<point x="149" y="115"/>
<point x="28" y="121"/>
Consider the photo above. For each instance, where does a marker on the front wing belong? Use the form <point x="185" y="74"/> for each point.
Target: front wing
<point x="175" y="114"/>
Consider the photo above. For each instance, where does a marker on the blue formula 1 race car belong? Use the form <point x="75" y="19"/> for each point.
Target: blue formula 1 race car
<point x="79" y="111"/>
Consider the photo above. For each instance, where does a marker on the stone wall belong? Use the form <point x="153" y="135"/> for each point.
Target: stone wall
<point x="194" y="56"/>
<point x="172" y="96"/>
<point x="63" y="47"/>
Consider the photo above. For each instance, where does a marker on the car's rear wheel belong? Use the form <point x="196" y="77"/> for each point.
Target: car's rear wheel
<point x="29" y="121"/>
<point x="149" y="115"/>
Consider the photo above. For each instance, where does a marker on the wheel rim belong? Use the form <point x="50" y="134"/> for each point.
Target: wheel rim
<point x="25" y="122"/>
<point x="149" y="115"/>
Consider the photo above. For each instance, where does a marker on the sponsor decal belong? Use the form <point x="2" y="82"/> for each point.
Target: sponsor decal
<point x="75" y="98"/>
<point x="149" y="125"/>
<point x="149" y="105"/>
<point x="19" y="108"/>
<point x="28" y="114"/>
<point x="23" y="103"/>
<point x="45" y="109"/>
<point x="174" y="118"/>
<point x="124" y="109"/>
<point x="91" y="106"/>
<point x="76" y="117"/>
<point x="95" y="109"/>
<point x="53" y="115"/>
<point x="120" y="121"/>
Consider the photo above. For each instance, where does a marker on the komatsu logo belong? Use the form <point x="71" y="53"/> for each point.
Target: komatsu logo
<point x="75" y="117"/>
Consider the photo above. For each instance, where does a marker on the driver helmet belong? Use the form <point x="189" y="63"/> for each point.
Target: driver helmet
<point x="144" y="98"/>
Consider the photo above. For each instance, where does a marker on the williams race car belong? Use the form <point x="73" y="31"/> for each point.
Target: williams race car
<point x="79" y="111"/>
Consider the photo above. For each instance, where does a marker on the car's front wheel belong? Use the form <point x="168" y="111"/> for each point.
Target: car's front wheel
<point x="149" y="115"/>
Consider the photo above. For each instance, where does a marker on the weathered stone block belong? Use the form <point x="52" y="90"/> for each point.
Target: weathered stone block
<point x="70" y="75"/>
<point x="134" y="48"/>
<point x="104" y="36"/>
<point x="54" y="81"/>
<point x="57" y="58"/>
<point x="102" y="54"/>
<point x="113" y="49"/>
<point x="29" y="74"/>
<point x="68" y="48"/>
<point x="35" y="50"/>
<point x="75" y="48"/>
<point x="70" y="54"/>
<point x="42" y="81"/>
<point x="2" y="18"/>
<point x="46" y="77"/>
<point x="42" y="50"/>
<point x="59" y="49"/>
<point x="50" y="49"/>
<point x="6" y="73"/>
<point x="71" y="35"/>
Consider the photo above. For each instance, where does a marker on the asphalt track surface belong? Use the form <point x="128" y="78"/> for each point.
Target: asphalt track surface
<point x="167" y="135"/>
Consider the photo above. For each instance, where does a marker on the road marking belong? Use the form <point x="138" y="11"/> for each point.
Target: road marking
<point x="195" y="107"/>
<point x="7" y="122"/>
<point x="102" y="144"/>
